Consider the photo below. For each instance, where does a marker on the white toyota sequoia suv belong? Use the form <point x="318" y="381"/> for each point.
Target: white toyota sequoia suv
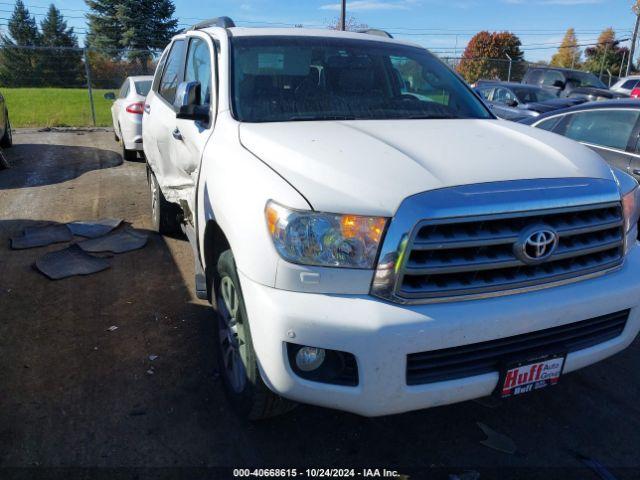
<point x="373" y="239"/>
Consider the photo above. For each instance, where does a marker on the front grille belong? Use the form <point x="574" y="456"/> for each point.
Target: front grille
<point x="468" y="256"/>
<point x="486" y="357"/>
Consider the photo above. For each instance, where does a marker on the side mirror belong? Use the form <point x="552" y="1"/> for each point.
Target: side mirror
<point x="187" y="102"/>
<point x="558" y="84"/>
<point x="109" y="96"/>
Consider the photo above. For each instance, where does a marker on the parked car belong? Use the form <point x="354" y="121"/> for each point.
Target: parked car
<point x="6" y="134"/>
<point x="626" y="85"/>
<point x="126" y="113"/>
<point x="372" y="237"/>
<point x="610" y="128"/>
<point x="515" y="101"/>
<point x="570" y="83"/>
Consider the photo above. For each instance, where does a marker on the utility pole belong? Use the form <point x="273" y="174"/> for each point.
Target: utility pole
<point x="343" y="16"/>
<point x="87" y="69"/>
<point x="636" y="10"/>
<point x="604" y="57"/>
<point x="510" y="63"/>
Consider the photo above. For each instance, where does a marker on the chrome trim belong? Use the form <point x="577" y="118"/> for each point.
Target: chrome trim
<point x="495" y="200"/>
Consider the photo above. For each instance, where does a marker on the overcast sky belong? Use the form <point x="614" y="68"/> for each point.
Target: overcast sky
<point x="445" y="26"/>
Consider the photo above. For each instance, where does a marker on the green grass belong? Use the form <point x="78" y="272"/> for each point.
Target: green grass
<point x="56" y="107"/>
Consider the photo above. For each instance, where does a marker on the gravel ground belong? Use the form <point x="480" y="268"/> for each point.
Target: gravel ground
<point x="75" y="395"/>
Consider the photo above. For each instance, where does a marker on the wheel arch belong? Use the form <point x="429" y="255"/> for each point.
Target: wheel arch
<point x="215" y="242"/>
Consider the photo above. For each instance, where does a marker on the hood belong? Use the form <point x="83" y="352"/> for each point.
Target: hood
<point x="598" y="92"/>
<point x="368" y="167"/>
<point x="554" y="104"/>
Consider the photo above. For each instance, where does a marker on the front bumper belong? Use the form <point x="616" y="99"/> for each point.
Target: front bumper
<point x="381" y="334"/>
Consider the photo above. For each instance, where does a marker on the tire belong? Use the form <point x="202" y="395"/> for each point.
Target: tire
<point x="7" y="139"/>
<point x="237" y="361"/>
<point x="165" y="216"/>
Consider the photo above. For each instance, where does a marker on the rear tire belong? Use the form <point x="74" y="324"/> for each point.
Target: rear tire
<point x="165" y="216"/>
<point x="237" y="360"/>
<point x="7" y="139"/>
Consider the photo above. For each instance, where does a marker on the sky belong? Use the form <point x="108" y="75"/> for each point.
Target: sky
<point x="443" y="26"/>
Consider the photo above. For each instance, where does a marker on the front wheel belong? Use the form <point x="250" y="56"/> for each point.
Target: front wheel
<point x="237" y="359"/>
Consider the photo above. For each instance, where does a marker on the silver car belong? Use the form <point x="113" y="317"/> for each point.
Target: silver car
<point x="127" y="112"/>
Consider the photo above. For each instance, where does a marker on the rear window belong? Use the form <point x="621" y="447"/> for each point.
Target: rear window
<point x="143" y="87"/>
<point x="629" y="84"/>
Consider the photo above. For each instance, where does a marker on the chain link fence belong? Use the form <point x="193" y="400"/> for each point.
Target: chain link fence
<point x="65" y="87"/>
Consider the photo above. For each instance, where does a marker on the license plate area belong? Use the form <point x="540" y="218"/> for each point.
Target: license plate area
<point x="525" y="376"/>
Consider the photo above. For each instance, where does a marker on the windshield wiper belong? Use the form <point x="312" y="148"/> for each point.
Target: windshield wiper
<point x="305" y="118"/>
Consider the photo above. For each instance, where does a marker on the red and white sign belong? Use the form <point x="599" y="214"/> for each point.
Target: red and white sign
<point x="526" y="378"/>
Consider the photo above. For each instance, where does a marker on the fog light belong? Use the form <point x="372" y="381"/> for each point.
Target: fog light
<point x="309" y="358"/>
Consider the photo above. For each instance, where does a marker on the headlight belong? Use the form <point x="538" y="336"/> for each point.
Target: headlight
<point x="324" y="239"/>
<point x="630" y="209"/>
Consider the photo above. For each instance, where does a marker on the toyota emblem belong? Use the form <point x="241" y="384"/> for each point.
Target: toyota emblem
<point x="536" y="244"/>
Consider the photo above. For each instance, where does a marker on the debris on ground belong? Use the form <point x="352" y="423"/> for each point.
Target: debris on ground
<point x="497" y="441"/>
<point x="151" y="371"/>
<point x="94" y="228"/>
<point x="153" y="357"/>
<point x="41" y="236"/>
<point x="70" y="262"/>
<point x="112" y="328"/>
<point x="122" y="241"/>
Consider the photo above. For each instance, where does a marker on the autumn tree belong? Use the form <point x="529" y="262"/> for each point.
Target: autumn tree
<point x="487" y="56"/>
<point x="608" y="50"/>
<point x="568" y="55"/>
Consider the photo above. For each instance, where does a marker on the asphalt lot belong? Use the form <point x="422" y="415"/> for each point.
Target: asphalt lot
<point x="74" y="394"/>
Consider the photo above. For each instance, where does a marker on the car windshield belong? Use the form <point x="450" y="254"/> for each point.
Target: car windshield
<point x="584" y="79"/>
<point x="278" y="78"/>
<point x="143" y="87"/>
<point x="528" y="95"/>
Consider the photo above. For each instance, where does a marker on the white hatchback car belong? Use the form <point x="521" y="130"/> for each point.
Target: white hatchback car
<point x="127" y="112"/>
<point x="626" y="84"/>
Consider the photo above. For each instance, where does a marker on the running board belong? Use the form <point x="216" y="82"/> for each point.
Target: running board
<point x="201" y="278"/>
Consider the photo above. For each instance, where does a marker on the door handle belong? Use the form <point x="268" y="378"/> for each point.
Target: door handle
<point x="176" y="134"/>
<point x="147" y="108"/>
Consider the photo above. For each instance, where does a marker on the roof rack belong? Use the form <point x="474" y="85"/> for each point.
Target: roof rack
<point x="223" y="22"/>
<point x="376" y="31"/>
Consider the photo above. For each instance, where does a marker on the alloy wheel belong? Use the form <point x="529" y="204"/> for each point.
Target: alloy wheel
<point x="232" y="344"/>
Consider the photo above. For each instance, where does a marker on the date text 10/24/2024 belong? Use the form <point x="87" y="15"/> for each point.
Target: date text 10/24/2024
<point x="316" y="473"/>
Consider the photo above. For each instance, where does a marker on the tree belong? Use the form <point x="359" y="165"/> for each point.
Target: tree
<point x="61" y="64"/>
<point x="132" y="27"/>
<point x="487" y="56"/>
<point x="606" y="55"/>
<point x="19" y="57"/>
<point x="568" y="55"/>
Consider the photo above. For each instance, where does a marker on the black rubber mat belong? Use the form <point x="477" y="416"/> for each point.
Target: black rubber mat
<point x="70" y="262"/>
<point x="41" y="236"/>
<point x="94" y="228"/>
<point x="121" y="241"/>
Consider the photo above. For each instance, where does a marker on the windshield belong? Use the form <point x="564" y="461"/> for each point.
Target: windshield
<point x="529" y="95"/>
<point x="143" y="87"/>
<point x="584" y="79"/>
<point x="279" y="79"/>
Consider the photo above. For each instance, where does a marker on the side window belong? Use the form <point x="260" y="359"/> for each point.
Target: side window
<point x="172" y="75"/>
<point x="485" y="92"/>
<point x="160" y="69"/>
<point x="629" y="84"/>
<point x="552" y="76"/>
<point x="503" y="95"/>
<point x="124" y="90"/>
<point x="549" y="124"/>
<point x="608" y="128"/>
<point x="198" y="69"/>
<point x="535" y="77"/>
